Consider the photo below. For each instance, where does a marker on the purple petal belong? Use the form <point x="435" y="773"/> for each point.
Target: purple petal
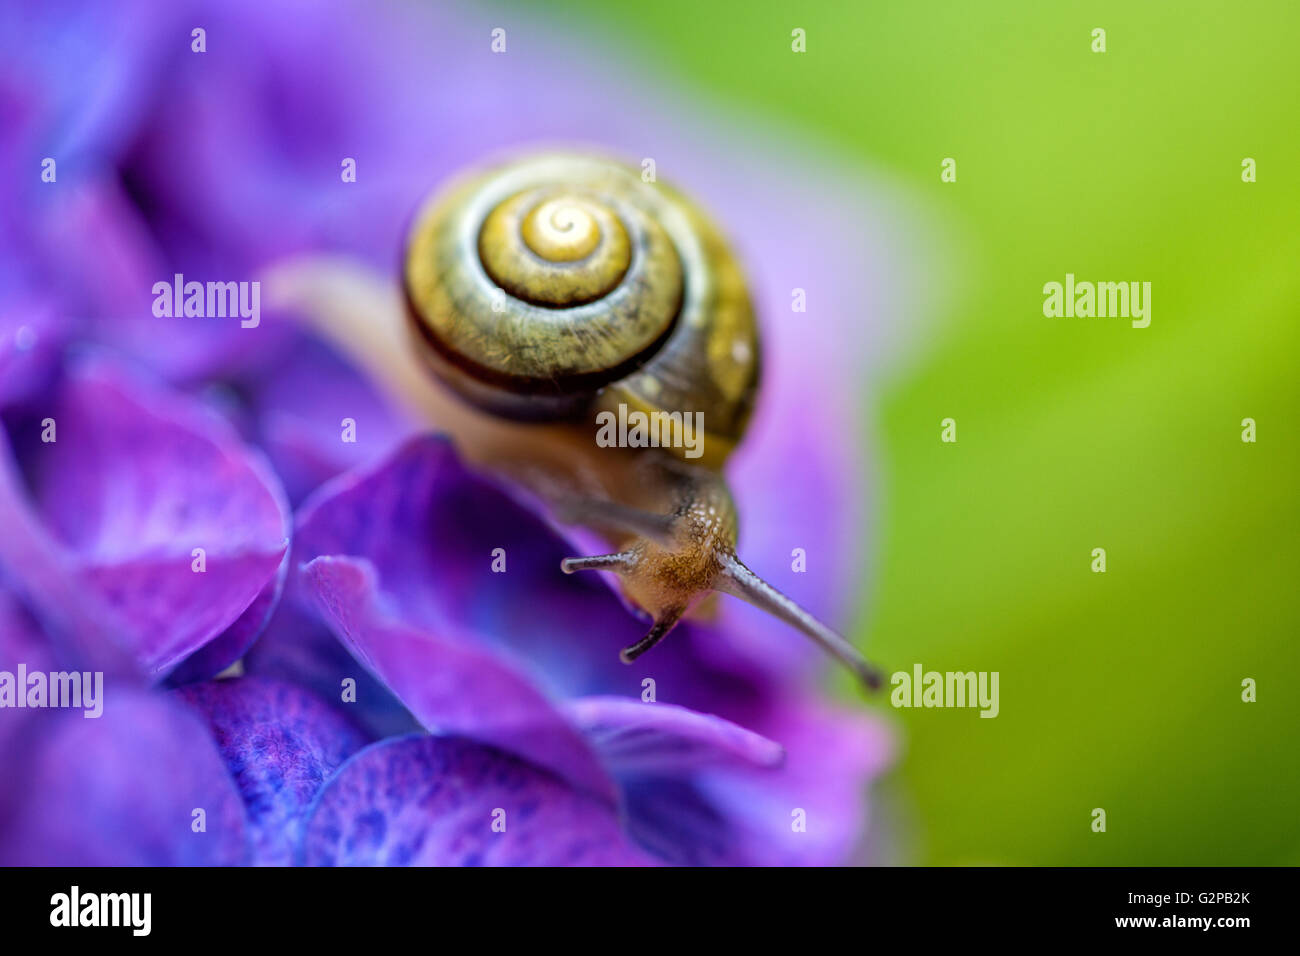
<point x="93" y="795"/>
<point x="263" y="100"/>
<point x="137" y="479"/>
<point x="32" y="334"/>
<point x="21" y="639"/>
<point x="280" y="744"/>
<point x="651" y="738"/>
<point x="114" y="259"/>
<point x="22" y="643"/>
<point x="430" y="527"/>
<point x="432" y="801"/>
<point x="302" y="410"/>
<point x="738" y="817"/>
<point x="451" y="685"/>
<point x="86" y="631"/>
<point x="78" y="115"/>
<point x="222" y="651"/>
<point x="102" y="250"/>
<point x="299" y="648"/>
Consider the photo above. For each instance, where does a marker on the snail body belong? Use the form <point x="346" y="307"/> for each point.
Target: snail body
<point x="547" y="295"/>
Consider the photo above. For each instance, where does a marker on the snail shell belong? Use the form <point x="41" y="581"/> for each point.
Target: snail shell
<point x="557" y="286"/>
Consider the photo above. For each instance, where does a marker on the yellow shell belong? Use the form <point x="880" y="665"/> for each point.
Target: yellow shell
<point x="561" y="284"/>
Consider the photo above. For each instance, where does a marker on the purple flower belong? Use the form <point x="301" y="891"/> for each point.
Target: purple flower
<point x="399" y="701"/>
<point x="399" y="561"/>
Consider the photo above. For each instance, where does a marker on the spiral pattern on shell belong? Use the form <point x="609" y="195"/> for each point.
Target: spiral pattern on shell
<point x="541" y="285"/>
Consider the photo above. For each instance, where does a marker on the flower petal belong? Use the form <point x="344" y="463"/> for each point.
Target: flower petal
<point x="32" y="332"/>
<point x="280" y="744"/>
<point x="21" y="644"/>
<point x="82" y="628"/>
<point x="21" y="639"/>
<point x="137" y="481"/>
<point x="222" y="651"/>
<point x="92" y="795"/>
<point x="433" y="530"/>
<point x="299" y="648"/>
<point x="810" y="812"/>
<point x="651" y="738"/>
<point x="318" y="417"/>
<point x="78" y="115"/>
<point x="433" y="801"/>
<point x="451" y="685"/>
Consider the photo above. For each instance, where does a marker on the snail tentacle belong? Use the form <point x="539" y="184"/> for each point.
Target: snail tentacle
<point x="598" y="562"/>
<point x="658" y="631"/>
<point x="739" y="581"/>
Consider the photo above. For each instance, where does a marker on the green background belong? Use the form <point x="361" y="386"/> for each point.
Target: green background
<point x="1119" y="690"/>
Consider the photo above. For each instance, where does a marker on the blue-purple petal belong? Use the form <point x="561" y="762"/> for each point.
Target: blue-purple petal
<point x="451" y="684"/>
<point x="448" y="801"/>
<point x="300" y="648"/>
<point x="812" y="811"/>
<point x="633" y="737"/>
<point x="280" y="744"/>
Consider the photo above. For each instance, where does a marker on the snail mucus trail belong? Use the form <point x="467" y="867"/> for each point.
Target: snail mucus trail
<point x="545" y="295"/>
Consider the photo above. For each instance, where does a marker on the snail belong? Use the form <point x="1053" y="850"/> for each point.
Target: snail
<point x="542" y="297"/>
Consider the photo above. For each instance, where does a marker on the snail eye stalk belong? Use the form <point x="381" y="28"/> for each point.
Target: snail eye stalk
<point x="658" y="631"/>
<point x="737" y="580"/>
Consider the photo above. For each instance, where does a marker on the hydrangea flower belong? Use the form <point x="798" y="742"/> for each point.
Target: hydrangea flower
<point x="394" y="700"/>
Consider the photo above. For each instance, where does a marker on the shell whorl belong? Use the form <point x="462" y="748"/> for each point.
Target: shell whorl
<point x="553" y="285"/>
<point x="556" y="248"/>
